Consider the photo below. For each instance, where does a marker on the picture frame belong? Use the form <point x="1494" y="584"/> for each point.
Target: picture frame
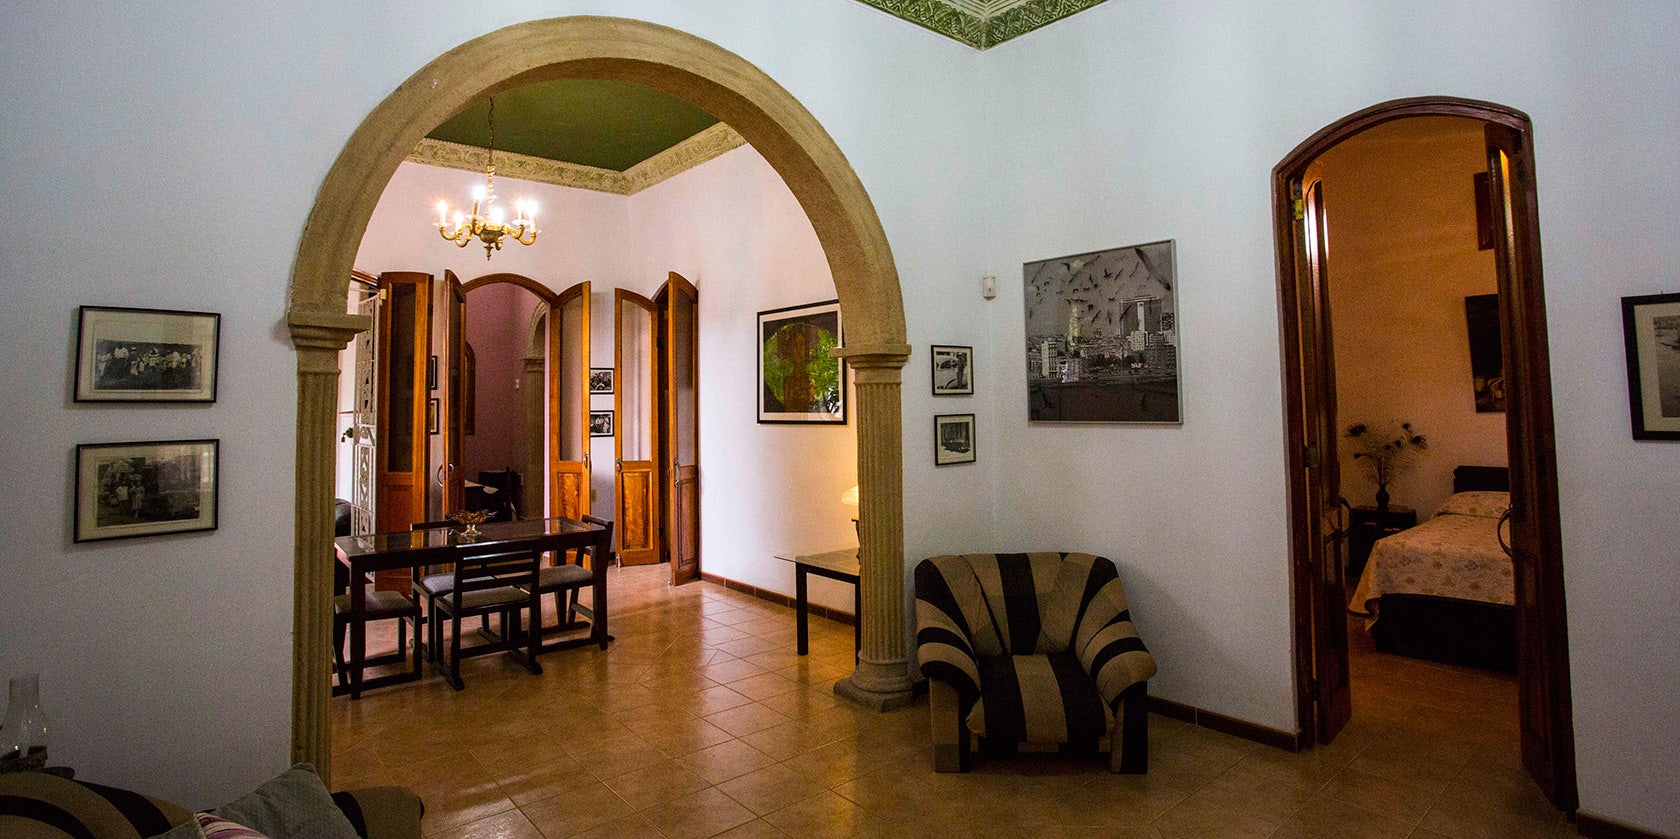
<point x="601" y="380"/>
<point x="953" y="370"/>
<point x="152" y="488"/>
<point x="798" y="380"/>
<point x="953" y="439"/>
<point x="1102" y="337"/>
<point x="1651" y="327"/>
<point x="431" y="373"/>
<point x="146" y="355"/>
<point x="600" y="423"/>
<point x="1487" y="360"/>
<point x="433" y="405"/>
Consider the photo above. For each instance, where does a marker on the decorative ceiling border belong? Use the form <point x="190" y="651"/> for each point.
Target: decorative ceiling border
<point x="707" y="145"/>
<point x="987" y="29"/>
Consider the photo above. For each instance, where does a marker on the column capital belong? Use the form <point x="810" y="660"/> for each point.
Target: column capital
<point x="875" y="363"/>
<point x="314" y="328"/>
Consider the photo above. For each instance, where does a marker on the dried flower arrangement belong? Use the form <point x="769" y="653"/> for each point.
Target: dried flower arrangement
<point x="1386" y="454"/>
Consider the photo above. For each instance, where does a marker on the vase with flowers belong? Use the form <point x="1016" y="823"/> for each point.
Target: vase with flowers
<point x="1386" y="453"/>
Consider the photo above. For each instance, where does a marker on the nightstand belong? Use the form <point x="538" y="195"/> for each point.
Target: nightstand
<point x="1365" y="527"/>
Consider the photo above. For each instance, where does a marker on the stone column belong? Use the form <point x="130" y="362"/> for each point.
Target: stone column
<point x="318" y="337"/>
<point x="882" y="678"/>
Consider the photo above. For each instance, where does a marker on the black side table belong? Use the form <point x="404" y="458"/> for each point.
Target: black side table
<point x="1365" y="527"/>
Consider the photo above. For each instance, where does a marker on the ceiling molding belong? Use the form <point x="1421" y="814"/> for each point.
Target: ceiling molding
<point x="982" y="24"/>
<point x="700" y="148"/>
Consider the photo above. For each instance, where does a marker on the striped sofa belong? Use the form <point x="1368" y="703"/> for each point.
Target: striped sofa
<point x="1034" y="650"/>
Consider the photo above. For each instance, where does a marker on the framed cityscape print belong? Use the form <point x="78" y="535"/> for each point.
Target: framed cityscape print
<point x="953" y="439"/>
<point x="1651" y="325"/>
<point x="124" y="490"/>
<point x="1102" y="336"/>
<point x="600" y="423"/>
<point x="798" y="380"/>
<point x="953" y="370"/>
<point x="146" y="355"/>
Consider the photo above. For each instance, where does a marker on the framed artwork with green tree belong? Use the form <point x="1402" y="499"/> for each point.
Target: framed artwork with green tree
<point x="799" y="380"/>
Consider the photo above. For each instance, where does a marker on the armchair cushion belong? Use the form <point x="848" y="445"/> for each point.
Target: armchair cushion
<point x="1038" y="699"/>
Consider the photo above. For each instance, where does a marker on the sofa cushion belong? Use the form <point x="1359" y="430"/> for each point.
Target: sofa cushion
<point x="1038" y="699"/>
<point x="294" y="804"/>
<point x="37" y="805"/>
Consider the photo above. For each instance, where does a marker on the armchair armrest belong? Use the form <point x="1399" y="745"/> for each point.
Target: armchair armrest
<point x="382" y="812"/>
<point x="1108" y="644"/>
<point x="945" y="653"/>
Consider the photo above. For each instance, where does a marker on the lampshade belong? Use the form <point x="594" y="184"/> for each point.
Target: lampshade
<point x="850" y="497"/>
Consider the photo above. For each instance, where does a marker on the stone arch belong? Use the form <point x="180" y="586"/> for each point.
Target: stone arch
<point x="777" y="126"/>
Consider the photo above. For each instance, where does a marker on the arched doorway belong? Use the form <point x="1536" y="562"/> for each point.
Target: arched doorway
<point x="1320" y="518"/>
<point x="782" y="131"/>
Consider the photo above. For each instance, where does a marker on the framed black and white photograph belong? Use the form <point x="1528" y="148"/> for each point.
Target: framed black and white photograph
<point x="953" y="439"/>
<point x="601" y="380"/>
<point x="953" y="370"/>
<point x="433" y="405"/>
<point x="600" y="423"/>
<point x="798" y="381"/>
<point x="1651" y="324"/>
<point x="146" y="355"/>
<point x="431" y="373"/>
<point x="1102" y="336"/>
<point x="124" y="490"/>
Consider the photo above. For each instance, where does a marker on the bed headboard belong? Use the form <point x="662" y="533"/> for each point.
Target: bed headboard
<point x="1481" y="478"/>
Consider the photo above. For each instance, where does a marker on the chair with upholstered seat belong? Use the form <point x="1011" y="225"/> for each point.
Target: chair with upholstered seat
<point x="504" y="584"/>
<point x="1031" y="650"/>
<point x="565" y="579"/>
<point x="376" y="606"/>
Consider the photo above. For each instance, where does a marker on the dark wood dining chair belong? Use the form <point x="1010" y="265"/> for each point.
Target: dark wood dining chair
<point x="430" y="585"/>
<point x="376" y="606"/>
<point x="488" y="584"/>
<point x="565" y="580"/>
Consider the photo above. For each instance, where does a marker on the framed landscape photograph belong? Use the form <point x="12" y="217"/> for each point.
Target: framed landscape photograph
<point x="145" y="355"/>
<point x="1651" y="324"/>
<point x="953" y="439"/>
<point x="600" y="423"/>
<point x="1102" y="336"/>
<point x="124" y="490"/>
<point x="798" y="381"/>
<point x="953" y="370"/>
<point x="600" y="380"/>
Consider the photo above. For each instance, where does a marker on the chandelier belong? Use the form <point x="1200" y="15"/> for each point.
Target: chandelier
<point x="489" y="226"/>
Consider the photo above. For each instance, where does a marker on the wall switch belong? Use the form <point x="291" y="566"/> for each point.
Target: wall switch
<point x="988" y="287"/>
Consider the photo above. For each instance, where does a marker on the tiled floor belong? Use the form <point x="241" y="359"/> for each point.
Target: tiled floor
<point x="701" y="721"/>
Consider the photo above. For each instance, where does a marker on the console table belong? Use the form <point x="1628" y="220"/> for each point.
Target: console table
<point x="837" y="564"/>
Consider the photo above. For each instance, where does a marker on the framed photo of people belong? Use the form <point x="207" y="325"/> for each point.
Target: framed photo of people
<point x="798" y="380"/>
<point x="953" y="370"/>
<point x="600" y="423"/>
<point x="124" y="490"/>
<point x="146" y="355"/>
<point x="1651" y="326"/>
<point x="601" y="380"/>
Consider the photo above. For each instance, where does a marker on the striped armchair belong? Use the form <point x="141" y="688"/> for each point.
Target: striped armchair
<point x="1031" y="649"/>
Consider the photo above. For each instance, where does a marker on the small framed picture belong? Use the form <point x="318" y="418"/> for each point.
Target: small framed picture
<point x="953" y="439"/>
<point x="600" y="423"/>
<point x="124" y="490"/>
<point x="146" y="355"/>
<point x="1651" y="324"/>
<point x="953" y="370"/>
<point x="600" y="380"/>
<point x="431" y="373"/>
<point x="432" y="406"/>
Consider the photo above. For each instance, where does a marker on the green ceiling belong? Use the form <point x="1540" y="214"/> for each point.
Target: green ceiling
<point x="982" y="23"/>
<point x="610" y="125"/>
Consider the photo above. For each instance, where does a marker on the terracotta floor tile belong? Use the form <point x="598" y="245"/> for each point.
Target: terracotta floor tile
<point x="746" y="719"/>
<point x="769" y="789"/>
<point x="1196" y="818"/>
<point x="629" y="827"/>
<point x="588" y="804"/>
<point x="699" y="814"/>
<point x="755" y="829"/>
<point x="828" y="814"/>
<point x="723" y="761"/>
<point x="511" y="824"/>
<point x="655" y="785"/>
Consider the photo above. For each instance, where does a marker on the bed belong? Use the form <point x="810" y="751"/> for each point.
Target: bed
<point x="1443" y="590"/>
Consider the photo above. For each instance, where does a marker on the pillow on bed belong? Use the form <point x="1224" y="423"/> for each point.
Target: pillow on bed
<point x="1490" y="505"/>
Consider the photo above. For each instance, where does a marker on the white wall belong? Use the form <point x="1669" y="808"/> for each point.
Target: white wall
<point x="1147" y="119"/>
<point x="187" y="148"/>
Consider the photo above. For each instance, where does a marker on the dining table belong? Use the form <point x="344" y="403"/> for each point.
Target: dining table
<point x="413" y="549"/>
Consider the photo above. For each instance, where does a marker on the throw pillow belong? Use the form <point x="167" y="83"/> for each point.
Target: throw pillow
<point x="294" y="805"/>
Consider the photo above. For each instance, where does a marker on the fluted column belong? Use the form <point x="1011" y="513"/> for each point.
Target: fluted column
<point x="882" y="678"/>
<point x="318" y="337"/>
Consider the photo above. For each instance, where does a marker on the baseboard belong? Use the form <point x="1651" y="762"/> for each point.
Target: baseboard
<point x="1225" y="725"/>
<point x="779" y="599"/>
<point x="1598" y="827"/>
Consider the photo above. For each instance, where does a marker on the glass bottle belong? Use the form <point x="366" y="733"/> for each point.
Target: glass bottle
<point x="23" y="735"/>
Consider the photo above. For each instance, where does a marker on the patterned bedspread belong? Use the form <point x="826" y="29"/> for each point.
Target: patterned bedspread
<point x="1446" y="556"/>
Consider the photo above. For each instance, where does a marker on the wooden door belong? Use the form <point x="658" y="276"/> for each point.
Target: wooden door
<point x="1324" y="559"/>
<point x="682" y="426"/>
<point x="637" y="428"/>
<point x="454" y="401"/>
<point x="568" y="405"/>
<point x="403" y="350"/>
<point x="364" y="413"/>
<point x="1544" y="709"/>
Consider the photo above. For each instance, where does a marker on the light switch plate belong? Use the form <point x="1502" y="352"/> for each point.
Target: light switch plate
<point x="988" y="287"/>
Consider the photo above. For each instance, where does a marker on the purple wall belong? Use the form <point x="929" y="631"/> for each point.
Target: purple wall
<point x="498" y="328"/>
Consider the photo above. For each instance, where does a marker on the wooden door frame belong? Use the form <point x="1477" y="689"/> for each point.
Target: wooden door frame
<point x="581" y="291"/>
<point x="1527" y="302"/>
<point x="655" y="429"/>
<point x="546" y="297"/>
<point x="673" y="280"/>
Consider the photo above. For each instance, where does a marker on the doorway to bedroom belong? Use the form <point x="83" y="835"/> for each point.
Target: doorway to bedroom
<point x="1426" y="569"/>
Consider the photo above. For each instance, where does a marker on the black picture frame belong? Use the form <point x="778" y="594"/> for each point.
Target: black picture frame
<point x="600" y="423"/>
<point x="159" y="482"/>
<point x="601" y="380"/>
<point x="431" y="373"/>
<point x="433" y="405"/>
<point x="954" y="439"/>
<point x="823" y="321"/>
<point x="179" y="355"/>
<point x="1651" y="328"/>
<point x="957" y="363"/>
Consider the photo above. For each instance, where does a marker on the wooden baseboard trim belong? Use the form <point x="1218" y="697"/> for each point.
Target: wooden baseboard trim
<point x="1599" y="827"/>
<point x="778" y="598"/>
<point x="1225" y="725"/>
